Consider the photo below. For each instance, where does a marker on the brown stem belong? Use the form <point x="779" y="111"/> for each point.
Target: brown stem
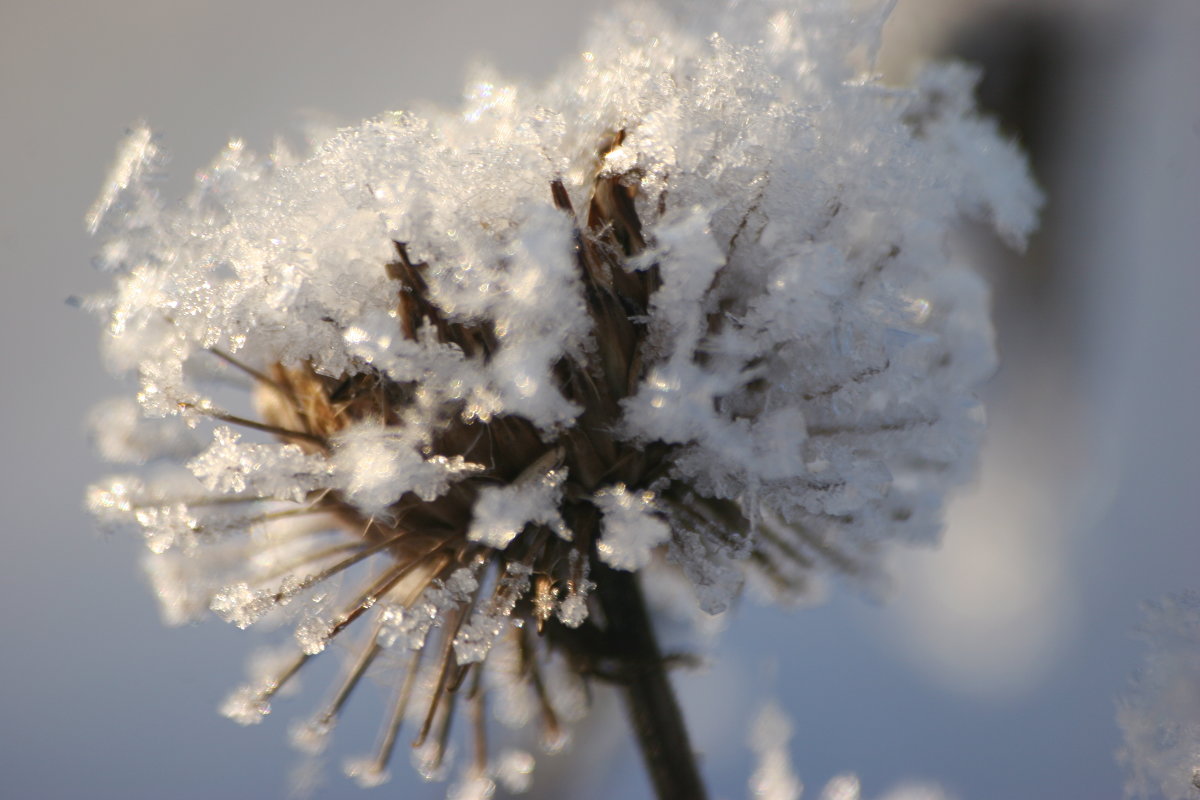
<point x="641" y="673"/>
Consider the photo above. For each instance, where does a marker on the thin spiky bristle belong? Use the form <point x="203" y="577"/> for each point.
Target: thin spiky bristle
<point x="544" y="569"/>
<point x="539" y="581"/>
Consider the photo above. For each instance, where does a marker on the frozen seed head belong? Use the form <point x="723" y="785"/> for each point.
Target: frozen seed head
<point x="694" y="303"/>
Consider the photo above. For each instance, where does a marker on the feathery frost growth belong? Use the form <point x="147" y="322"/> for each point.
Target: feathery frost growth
<point x="450" y="380"/>
<point x="1160" y="717"/>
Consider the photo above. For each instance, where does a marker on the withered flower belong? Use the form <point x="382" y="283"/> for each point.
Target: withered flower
<point x="692" y="307"/>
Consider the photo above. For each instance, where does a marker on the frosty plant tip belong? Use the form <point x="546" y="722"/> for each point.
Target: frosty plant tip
<point x="456" y="387"/>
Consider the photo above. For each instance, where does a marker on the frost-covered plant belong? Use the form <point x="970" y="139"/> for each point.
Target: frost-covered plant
<point x="1160" y="717"/>
<point x="692" y="306"/>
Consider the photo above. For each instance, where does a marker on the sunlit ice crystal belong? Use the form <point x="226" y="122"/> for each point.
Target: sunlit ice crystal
<point x="445" y="383"/>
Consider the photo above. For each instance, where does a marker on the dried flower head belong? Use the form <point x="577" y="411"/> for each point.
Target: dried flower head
<point x="693" y="304"/>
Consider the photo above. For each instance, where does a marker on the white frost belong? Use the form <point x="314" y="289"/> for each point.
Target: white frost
<point x="283" y="471"/>
<point x="1160" y="717"/>
<point x="632" y="528"/>
<point x="501" y="512"/>
<point x="375" y="466"/>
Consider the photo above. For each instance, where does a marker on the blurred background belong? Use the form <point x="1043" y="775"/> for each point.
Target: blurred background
<point x="990" y="666"/>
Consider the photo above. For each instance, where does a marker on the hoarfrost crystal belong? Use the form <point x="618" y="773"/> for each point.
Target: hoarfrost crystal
<point x="1160" y="718"/>
<point x="695" y="303"/>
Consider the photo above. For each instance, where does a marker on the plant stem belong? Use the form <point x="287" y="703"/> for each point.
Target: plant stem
<point x="653" y="710"/>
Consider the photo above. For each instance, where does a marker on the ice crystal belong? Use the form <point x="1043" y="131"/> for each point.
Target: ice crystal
<point x="631" y="531"/>
<point x="1160" y="718"/>
<point x="695" y="302"/>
